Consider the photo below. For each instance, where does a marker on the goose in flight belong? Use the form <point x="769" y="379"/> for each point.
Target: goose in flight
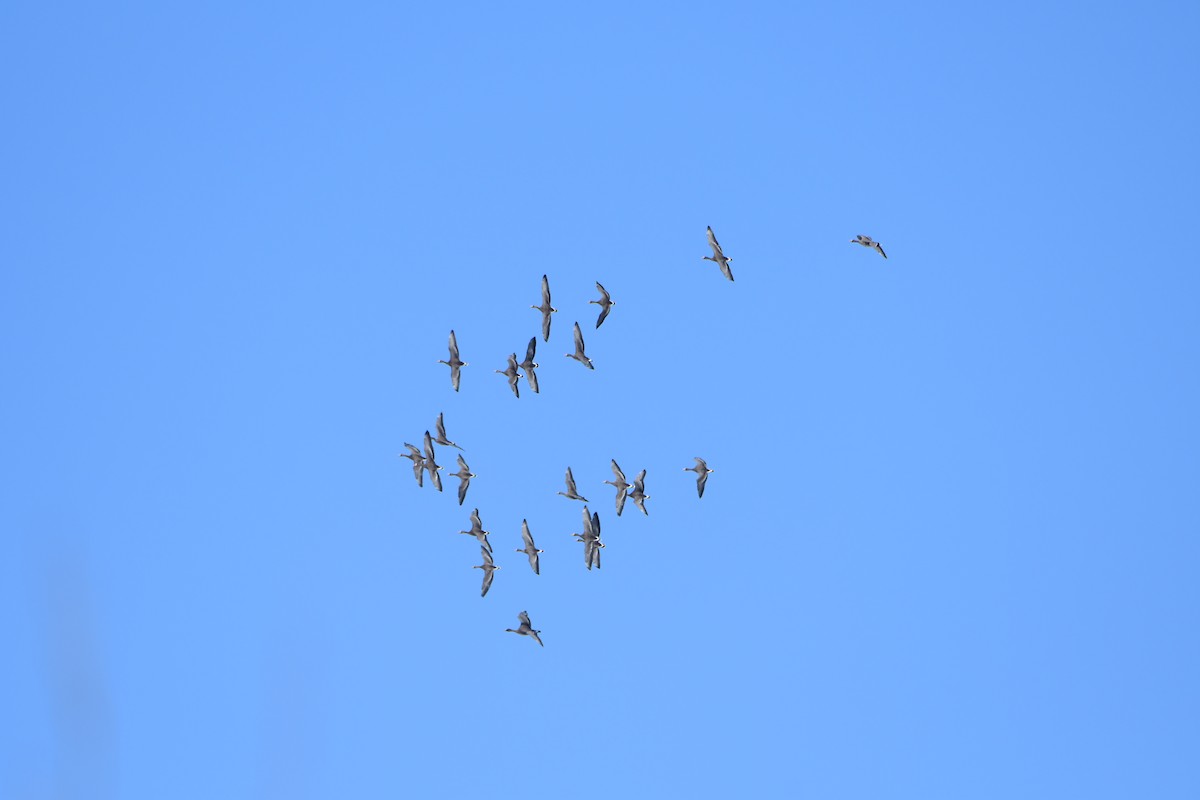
<point x="570" y="493"/>
<point x="638" y="492"/>
<point x="430" y="464"/>
<point x="867" y="241"/>
<point x="529" y="549"/>
<point x="591" y="539"/>
<point x="529" y="366"/>
<point x="579" y="355"/>
<point x="702" y="470"/>
<point x="464" y="476"/>
<point x="545" y="308"/>
<point x="525" y="629"/>
<point x="605" y="302"/>
<point x="477" y="531"/>
<point x="621" y="486"/>
<point x="511" y="373"/>
<point x="489" y="568"/>
<point x="455" y="363"/>
<point x="718" y="255"/>
<point x="418" y="462"/>
<point x="441" y="433"/>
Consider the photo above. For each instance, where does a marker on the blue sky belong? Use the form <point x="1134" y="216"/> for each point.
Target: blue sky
<point x="951" y="543"/>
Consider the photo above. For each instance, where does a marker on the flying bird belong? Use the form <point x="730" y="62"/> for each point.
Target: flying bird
<point x="477" y="530"/>
<point x="701" y="469"/>
<point x="718" y="254"/>
<point x="455" y="363"/>
<point x="441" y="433"/>
<point x="529" y="366"/>
<point x="570" y="493"/>
<point x="525" y="629"/>
<point x="418" y="463"/>
<point x="529" y="549"/>
<point x="621" y="485"/>
<point x="605" y="302"/>
<point x="591" y="539"/>
<point x="489" y="568"/>
<point x="867" y="241"/>
<point x="579" y="355"/>
<point x="545" y="308"/>
<point x="464" y="476"/>
<point x="511" y="373"/>
<point x="430" y="464"/>
<point x="638" y="492"/>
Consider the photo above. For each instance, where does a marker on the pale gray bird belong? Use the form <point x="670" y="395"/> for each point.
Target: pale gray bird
<point x="718" y="255"/>
<point x="441" y="434"/>
<point x="529" y="366"/>
<point x="867" y="241"/>
<point x="702" y="471"/>
<point x="591" y="539"/>
<point x="638" y="492"/>
<point x="455" y="363"/>
<point x="464" y="476"/>
<point x="430" y="464"/>
<point x="621" y="486"/>
<point x="605" y="302"/>
<point x="579" y="355"/>
<point x="571" y="493"/>
<point x="525" y="629"/>
<point x="489" y="568"/>
<point x="511" y="373"/>
<point x="529" y="549"/>
<point x="418" y="462"/>
<point x="545" y="308"/>
<point x="477" y="530"/>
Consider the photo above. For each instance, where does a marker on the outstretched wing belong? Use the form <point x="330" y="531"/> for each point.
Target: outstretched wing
<point x="437" y="479"/>
<point x="534" y="634"/>
<point x="725" y="270"/>
<point x="455" y="377"/>
<point x="531" y="379"/>
<point x="488" y="575"/>
<point x="617" y="472"/>
<point x="441" y="427"/>
<point x="546" y="293"/>
<point x="525" y="619"/>
<point x="526" y="536"/>
<point x="603" y="315"/>
<point x="462" y="489"/>
<point x="639" y="483"/>
<point x="621" y="495"/>
<point x="462" y="464"/>
<point x="428" y="445"/>
<point x="700" y="481"/>
<point x="578" y="339"/>
<point x="453" y="347"/>
<point x="880" y="249"/>
<point x="476" y="524"/>
<point x="531" y="350"/>
<point x="713" y="243"/>
<point x="546" y="325"/>
<point x="487" y="557"/>
<point x="571" y="482"/>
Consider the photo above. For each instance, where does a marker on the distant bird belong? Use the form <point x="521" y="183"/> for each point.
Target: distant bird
<point x="718" y="255"/>
<point x="441" y="434"/>
<point x="430" y="464"/>
<point x="529" y="549"/>
<point x="489" y="568"/>
<point x="464" y="476"/>
<point x="591" y="539"/>
<point x="605" y="302"/>
<point x="638" y="492"/>
<point x="529" y="366"/>
<point x="867" y="241"/>
<point x="477" y="531"/>
<point x="511" y="372"/>
<point x="621" y="486"/>
<point x="570" y="493"/>
<point x="701" y="469"/>
<point x="418" y="463"/>
<point x="526" y="629"/>
<point x="455" y="363"/>
<point x="579" y="355"/>
<point x="545" y="308"/>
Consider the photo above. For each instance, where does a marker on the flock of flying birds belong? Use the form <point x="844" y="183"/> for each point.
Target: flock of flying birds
<point x="425" y="461"/>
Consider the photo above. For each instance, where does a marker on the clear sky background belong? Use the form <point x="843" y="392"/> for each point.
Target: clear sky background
<point x="951" y="544"/>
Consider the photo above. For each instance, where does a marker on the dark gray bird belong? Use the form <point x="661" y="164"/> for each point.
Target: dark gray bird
<point x="591" y="539"/>
<point x="430" y="464"/>
<point x="441" y="434"/>
<point x="489" y="568"/>
<point x="545" y="308"/>
<point x="477" y="530"/>
<point x="529" y="366"/>
<point x="526" y="629"/>
<point x="621" y="486"/>
<point x="570" y="493"/>
<point x="464" y="476"/>
<point x="605" y="302"/>
<point x="718" y="255"/>
<point x="867" y="241"/>
<point x="638" y="492"/>
<point x="702" y="471"/>
<point x="579" y="355"/>
<point x="455" y="363"/>
<point x="529" y="549"/>
<point x="418" y="463"/>
<point x="511" y="373"/>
